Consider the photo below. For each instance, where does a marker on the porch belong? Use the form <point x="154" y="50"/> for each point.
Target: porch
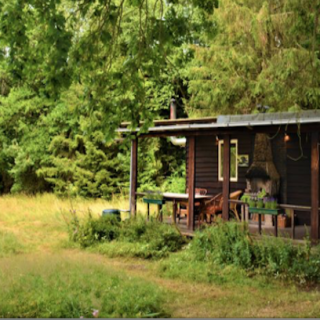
<point x="300" y="232"/>
<point x="299" y="176"/>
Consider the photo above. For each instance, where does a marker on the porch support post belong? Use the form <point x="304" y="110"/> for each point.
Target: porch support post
<point x="133" y="176"/>
<point x="191" y="181"/>
<point x="314" y="187"/>
<point x="226" y="177"/>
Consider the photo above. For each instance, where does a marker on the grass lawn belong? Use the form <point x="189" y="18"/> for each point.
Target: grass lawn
<point x="43" y="275"/>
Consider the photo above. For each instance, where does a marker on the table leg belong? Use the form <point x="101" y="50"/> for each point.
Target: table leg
<point x="259" y="217"/>
<point x="276" y="225"/>
<point x="160" y="212"/>
<point x="148" y="211"/>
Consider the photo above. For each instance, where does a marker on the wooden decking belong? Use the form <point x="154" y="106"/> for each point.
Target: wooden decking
<point x="300" y="231"/>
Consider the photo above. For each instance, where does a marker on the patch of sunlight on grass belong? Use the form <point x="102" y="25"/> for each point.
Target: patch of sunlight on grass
<point x="38" y="221"/>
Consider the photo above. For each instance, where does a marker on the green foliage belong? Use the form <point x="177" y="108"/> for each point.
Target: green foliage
<point x="74" y="288"/>
<point x="264" y="53"/>
<point x="177" y="181"/>
<point x="71" y="72"/>
<point x="231" y="244"/>
<point x="91" y="230"/>
<point x="184" y="266"/>
<point x="227" y="243"/>
<point x="132" y="237"/>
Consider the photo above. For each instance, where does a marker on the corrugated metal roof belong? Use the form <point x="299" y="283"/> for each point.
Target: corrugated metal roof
<point x="252" y="120"/>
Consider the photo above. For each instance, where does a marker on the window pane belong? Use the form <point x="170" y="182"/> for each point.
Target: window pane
<point x="233" y="161"/>
<point x="221" y="166"/>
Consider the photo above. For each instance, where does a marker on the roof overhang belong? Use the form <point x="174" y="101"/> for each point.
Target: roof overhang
<point x="223" y="122"/>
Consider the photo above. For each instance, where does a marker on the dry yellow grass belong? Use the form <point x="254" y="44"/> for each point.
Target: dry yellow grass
<point x="38" y="221"/>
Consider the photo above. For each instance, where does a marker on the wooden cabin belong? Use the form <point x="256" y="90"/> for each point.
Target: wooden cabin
<point x="222" y="151"/>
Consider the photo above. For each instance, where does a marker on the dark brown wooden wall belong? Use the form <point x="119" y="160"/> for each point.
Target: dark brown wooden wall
<point x="299" y="174"/>
<point x="295" y="176"/>
<point x="207" y="163"/>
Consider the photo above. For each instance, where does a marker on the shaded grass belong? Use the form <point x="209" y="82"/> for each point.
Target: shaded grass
<point x="73" y="287"/>
<point x="128" y="250"/>
<point x="232" y="293"/>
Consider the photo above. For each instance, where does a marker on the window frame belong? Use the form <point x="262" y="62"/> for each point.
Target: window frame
<point x="220" y="174"/>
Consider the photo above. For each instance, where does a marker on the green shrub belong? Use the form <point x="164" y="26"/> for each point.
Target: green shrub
<point x="90" y="231"/>
<point x="225" y="243"/>
<point x="133" y="229"/>
<point x="231" y="244"/>
<point x="151" y="239"/>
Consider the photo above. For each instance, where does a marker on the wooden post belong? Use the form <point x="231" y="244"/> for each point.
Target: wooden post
<point x="293" y="231"/>
<point x="226" y="177"/>
<point x="174" y="211"/>
<point x="314" y="187"/>
<point x="133" y="176"/>
<point x="191" y="181"/>
<point x="259" y="223"/>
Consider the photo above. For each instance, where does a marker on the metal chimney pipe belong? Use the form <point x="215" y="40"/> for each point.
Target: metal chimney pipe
<point x="173" y="109"/>
<point x="181" y="142"/>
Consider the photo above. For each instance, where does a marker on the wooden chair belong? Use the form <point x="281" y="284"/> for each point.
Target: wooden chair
<point x="214" y="206"/>
<point x="183" y="208"/>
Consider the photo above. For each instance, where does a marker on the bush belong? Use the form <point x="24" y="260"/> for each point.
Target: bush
<point x="157" y="235"/>
<point x="136" y="237"/>
<point x="90" y="231"/>
<point x="231" y="244"/>
<point x="225" y="243"/>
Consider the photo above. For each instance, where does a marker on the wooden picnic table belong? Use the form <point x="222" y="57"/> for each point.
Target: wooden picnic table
<point x="182" y="197"/>
<point x="175" y="198"/>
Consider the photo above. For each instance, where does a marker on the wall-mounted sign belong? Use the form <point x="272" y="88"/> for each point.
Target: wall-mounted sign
<point x="243" y="160"/>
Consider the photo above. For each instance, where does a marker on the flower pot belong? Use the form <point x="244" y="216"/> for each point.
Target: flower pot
<point x="255" y="217"/>
<point x="284" y="222"/>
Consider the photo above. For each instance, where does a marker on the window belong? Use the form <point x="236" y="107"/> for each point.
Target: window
<point x="233" y="160"/>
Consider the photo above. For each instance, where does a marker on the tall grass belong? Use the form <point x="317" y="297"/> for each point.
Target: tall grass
<point x="73" y="287"/>
<point x="38" y="221"/>
<point x="230" y="244"/>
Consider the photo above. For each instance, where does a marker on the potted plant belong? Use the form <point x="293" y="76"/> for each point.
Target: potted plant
<point x="284" y="220"/>
<point x="252" y="202"/>
<point x="267" y="202"/>
<point x="273" y="204"/>
<point x="245" y="198"/>
<point x="259" y="203"/>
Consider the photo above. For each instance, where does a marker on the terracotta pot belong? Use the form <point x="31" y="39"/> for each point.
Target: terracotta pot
<point x="255" y="217"/>
<point x="284" y="222"/>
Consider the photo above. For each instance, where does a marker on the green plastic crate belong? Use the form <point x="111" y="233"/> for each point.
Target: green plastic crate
<point x="154" y="201"/>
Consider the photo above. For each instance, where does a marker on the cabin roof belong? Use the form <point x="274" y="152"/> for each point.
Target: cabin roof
<point x="228" y="121"/>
